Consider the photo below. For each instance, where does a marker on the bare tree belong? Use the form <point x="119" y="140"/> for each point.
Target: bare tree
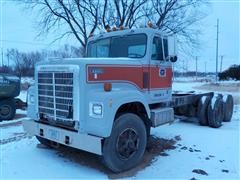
<point x="123" y="12"/>
<point x="178" y="17"/>
<point x="24" y="63"/>
<point x="82" y="18"/>
<point x="67" y="51"/>
<point x="79" y="16"/>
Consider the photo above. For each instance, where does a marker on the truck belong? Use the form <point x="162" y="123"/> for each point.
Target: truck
<point x="9" y="90"/>
<point x="107" y="102"/>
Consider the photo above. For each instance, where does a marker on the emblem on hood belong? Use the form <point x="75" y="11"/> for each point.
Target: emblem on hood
<point x="95" y="71"/>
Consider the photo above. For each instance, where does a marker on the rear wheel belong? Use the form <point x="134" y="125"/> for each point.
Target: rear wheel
<point x="202" y="110"/>
<point x="125" y="147"/>
<point x="7" y="109"/>
<point x="228" y="107"/>
<point x="215" y="112"/>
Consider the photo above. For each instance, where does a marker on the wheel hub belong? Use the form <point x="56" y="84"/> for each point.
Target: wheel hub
<point x="127" y="143"/>
<point x="4" y="110"/>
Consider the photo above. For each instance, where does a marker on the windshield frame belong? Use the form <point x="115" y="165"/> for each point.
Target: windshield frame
<point x="118" y="36"/>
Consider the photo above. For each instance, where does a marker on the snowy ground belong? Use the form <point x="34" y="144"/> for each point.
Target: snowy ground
<point x="214" y="151"/>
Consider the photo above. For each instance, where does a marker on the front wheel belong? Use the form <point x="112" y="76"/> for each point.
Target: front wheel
<point x="125" y="147"/>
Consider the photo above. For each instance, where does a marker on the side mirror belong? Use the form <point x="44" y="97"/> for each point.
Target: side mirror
<point x="173" y="59"/>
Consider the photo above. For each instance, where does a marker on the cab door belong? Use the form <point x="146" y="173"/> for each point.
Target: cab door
<point x="160" y="71"/>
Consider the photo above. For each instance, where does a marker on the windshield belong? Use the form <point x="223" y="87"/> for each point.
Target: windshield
<point x="132" y="46"/>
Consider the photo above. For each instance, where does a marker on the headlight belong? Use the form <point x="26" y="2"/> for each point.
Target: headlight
<point x="96" y="109"/>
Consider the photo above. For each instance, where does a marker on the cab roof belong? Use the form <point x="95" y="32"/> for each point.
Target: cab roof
<point x="147" y="31"/>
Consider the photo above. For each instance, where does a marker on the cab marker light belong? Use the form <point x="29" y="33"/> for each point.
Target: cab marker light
<point x="107" y="87"/>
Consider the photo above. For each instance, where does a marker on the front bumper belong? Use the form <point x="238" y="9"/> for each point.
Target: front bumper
<point x="69" y="138"/>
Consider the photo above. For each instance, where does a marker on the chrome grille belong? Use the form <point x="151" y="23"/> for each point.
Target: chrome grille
<point x="55" y="95"/>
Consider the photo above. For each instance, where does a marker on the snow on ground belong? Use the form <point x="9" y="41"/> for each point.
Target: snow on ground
<point x="215" y="151"/>
<point x="23" y="160"/>
<point x="218" y="150"/>
<point x="186" y="86"/>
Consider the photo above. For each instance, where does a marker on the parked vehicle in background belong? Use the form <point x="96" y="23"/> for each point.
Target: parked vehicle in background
<point x="9" y="90"/>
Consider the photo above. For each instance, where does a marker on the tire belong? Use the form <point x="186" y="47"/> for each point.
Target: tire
<point x="228" y="107"/>
<point x="202" y="110"/>
<point x="215" y="112"/>
<point x="44" y="141"/>
<point x="125" y="147"/>
<point x="7" y="109"/>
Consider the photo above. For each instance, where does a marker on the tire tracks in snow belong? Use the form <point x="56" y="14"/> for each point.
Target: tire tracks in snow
<point x="17" y="137"/>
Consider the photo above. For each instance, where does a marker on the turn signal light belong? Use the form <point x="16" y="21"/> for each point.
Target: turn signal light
<point x="107" y="87"/>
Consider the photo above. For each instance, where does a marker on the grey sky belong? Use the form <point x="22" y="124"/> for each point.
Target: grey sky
<point x="18" y="30"/>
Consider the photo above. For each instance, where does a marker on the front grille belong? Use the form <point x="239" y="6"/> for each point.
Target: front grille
<point x="55" y="96"/>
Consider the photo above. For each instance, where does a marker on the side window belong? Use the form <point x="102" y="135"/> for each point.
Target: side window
<point x="165" y="44"/>
<point x="136" y="51"/>
<point x="157" y="49"/>
<point x="99" y="49"/>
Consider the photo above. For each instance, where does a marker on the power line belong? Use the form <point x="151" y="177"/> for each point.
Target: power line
<point x="24" y="42"/>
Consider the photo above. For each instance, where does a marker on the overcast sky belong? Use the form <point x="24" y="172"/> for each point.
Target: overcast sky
<point x="19" y="29"/>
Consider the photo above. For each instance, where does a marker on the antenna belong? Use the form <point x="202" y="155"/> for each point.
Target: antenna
<point x="217" y="51"/>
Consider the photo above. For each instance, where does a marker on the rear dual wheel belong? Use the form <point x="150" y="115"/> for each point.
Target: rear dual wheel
<point x="202" y="110"/>
<point x="215" y="112"/>
<point x="228" y="107"/>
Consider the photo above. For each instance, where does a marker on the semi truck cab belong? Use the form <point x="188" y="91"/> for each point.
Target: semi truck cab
<point x="106" y="102"/>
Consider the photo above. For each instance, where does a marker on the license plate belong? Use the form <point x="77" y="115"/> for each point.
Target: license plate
<point x="53" y="134"/>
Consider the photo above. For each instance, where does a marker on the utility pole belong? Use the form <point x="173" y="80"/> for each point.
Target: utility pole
<point x="8" y="59"/>
<point x="205" y="69"/>
<point x="217" y="51"/>
<point x="2" y="56"/>
<point x="221" y="63"/>
<point x="196" y="67"/>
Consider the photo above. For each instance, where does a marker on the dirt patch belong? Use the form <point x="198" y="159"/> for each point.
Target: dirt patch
<point x="200" y="171"/>
<point x="225" y="170"/>
<point x="156" y="147"/>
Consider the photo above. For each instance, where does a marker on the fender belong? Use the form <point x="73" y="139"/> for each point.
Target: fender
<point x="102" y="126"/>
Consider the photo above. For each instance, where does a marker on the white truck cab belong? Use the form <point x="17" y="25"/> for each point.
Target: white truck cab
<point x="107" y="102"/>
